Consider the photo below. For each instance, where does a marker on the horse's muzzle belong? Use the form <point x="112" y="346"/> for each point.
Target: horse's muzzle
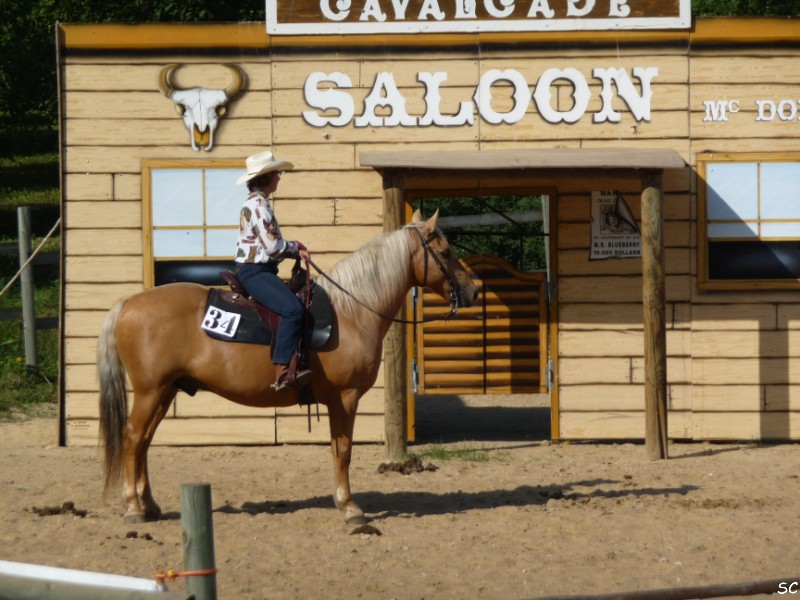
<point x="467" y="295"/>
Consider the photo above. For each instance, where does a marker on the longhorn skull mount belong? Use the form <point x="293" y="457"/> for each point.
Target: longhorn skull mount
<point x="199" y="107"/>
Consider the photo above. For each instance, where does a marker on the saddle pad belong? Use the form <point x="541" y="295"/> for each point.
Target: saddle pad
<point x="229" y="321"/>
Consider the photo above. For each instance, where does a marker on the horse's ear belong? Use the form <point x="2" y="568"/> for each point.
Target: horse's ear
<point x="429" y="228"/>
<point x="416" y="217"/>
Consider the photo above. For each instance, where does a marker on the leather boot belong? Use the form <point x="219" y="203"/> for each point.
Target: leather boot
<point x="282" y="384"/>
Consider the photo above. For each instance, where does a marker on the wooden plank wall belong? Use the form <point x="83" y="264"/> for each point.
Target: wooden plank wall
<point x="745" y="345"/>
<point x="114" y="117"/>
<point x="600" y="339"/>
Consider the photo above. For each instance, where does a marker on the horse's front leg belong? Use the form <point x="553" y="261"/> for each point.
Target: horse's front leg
<point x="342" y="417"/>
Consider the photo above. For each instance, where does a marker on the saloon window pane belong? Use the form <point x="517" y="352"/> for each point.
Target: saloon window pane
<point x="221" y="242"/>
<point x="223" y="197"/>
<point x="780" y="191"/>
<point x="177" y="197"/>
<point x="732" y="191"/>
<point x="733" y="230"/>
<point x="177" y="242"/>
<point x="790" y="230"/>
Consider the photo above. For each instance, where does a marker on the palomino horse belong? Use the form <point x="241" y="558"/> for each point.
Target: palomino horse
<point x="156" y="337"/>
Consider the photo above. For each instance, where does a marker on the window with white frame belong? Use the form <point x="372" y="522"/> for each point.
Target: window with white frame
<point x="191" y="219"/>
<point x="749" y="221"/>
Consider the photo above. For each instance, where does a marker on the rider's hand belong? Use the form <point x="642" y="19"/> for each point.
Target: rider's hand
<point x="304" y="255"/>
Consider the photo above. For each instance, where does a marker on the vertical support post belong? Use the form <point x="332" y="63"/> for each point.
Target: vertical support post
<point x="654" y="304"/>
<point x="198" y="540"/>
<point x="27" y="286"/>
<point x="394" y="346"/>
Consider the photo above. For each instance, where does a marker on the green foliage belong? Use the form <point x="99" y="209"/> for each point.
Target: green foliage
<point x="27" y="43"/>
<point x="521" y="244"/>
<point x="745" y="8"/>
<point x="28" y="176"/>
<point x="22" y="390"/>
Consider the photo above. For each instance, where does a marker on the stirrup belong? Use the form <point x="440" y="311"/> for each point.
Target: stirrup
<point x="281" y="386"/>
<point x="287" y="379"/>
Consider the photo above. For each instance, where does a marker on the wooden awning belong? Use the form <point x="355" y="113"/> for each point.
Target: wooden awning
<point x="534" y="158"/>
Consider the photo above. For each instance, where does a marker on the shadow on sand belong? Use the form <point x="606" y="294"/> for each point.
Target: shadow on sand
<point x="520" y="417"/>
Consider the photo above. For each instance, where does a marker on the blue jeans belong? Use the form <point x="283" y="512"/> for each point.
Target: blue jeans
<point x="262" y="283"/>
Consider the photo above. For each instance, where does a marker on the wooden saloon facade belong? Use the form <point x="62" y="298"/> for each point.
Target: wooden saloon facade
<point x="691" y="127"/>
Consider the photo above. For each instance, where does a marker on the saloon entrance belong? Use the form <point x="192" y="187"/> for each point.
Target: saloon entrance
<point x="582" y="171"/>
<point x="470" y="372"/>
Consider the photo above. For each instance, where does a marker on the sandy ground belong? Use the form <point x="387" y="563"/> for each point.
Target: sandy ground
<point x="535" y="519"/>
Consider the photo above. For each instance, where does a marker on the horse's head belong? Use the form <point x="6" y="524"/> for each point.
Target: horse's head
<point x="435" y="265"/>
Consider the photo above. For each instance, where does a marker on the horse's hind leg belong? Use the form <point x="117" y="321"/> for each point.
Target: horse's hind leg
<point x="147" y="412"/>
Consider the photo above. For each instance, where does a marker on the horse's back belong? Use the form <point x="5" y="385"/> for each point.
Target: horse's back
<point x="169" y="298"/>
<point x="168" y="314"/>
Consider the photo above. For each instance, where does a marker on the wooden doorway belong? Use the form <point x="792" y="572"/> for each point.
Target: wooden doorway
<point x="498" y="346"/>
<point x="486" y="368"/>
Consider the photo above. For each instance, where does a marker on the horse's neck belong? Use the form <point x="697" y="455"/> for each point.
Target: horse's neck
<point x="382" y="286"/>
<point x="391" y="299"/>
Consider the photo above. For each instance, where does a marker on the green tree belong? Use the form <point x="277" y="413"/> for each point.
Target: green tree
<point x="745" y="8"/>
<point x="27" y="43"/>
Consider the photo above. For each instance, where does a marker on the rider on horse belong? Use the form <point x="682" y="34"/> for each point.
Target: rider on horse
<point x="259" y="250"/>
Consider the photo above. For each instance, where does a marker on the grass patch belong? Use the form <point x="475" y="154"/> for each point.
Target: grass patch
<point x="465" y="454"/>
<point x="29" y="177"/>
<point x="22" y="390"/>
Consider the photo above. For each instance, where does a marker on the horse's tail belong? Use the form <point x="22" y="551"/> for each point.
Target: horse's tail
<point x="113" y="397"/>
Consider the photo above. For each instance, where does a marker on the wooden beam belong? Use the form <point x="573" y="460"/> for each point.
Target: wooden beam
<point x="653" y="299"/>
<point x="394" y="348"/>
<point x="527" y="159"/>
<point x="521" y="216"/>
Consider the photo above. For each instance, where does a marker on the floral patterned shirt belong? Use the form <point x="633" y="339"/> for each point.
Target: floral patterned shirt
<point x="260" y="238"/>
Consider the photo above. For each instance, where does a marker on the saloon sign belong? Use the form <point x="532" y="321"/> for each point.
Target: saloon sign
<point x="304" y="17"/>
<point x="331" y="102"/>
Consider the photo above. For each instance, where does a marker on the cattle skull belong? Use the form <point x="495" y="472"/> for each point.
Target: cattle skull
<point x="200" y="107"/>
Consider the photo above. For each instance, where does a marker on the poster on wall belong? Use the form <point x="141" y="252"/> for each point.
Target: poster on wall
<point x="615" y="233"/>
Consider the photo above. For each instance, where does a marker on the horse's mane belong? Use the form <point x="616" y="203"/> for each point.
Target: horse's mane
<point x="372" y="273"/>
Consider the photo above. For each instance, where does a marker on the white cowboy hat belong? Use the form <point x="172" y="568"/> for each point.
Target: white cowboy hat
<point x="263" y="162"/>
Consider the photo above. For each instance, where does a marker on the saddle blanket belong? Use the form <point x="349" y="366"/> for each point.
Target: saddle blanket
<point x="229" y="321"/>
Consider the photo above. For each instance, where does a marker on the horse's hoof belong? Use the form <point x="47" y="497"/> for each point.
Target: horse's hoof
<point x="359" y="520"/>
<point x="366" y="530"/>
<point x="133" y="518"/>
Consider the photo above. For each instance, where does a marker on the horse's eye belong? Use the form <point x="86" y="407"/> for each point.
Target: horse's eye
<point x="445" y="254"/>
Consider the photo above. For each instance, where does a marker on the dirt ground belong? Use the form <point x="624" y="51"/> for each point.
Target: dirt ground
<point x="535" y="519"/>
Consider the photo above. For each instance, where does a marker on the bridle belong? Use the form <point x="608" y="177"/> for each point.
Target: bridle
<point x="455" y="288"/>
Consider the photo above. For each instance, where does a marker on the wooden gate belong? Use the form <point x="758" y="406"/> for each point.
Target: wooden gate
<point x="497" y="346"/>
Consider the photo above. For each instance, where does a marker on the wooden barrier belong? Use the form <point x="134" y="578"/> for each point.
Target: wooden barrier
<point x="27" y="311"/>
<point x="17" y="587"/>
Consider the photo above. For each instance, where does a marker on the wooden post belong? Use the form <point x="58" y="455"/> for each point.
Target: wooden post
<point x="27" y="286"/>
<point x="198" y="540"/>
<point x="394" y="348"/>
<point x="655" y="332"/>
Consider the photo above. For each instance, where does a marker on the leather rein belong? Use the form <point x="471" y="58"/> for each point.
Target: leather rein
<point x="454" y="287"/>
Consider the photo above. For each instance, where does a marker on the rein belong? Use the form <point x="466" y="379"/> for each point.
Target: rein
<point x="450" y="280"/>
